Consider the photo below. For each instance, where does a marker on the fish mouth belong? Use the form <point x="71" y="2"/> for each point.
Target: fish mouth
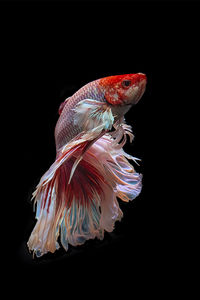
<point x="141" y="88"/>
<point x="141" y="77"/>
<point x="128" y="104"/>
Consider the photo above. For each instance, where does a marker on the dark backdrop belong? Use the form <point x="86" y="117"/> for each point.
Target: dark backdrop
<point x="48" y="52"/>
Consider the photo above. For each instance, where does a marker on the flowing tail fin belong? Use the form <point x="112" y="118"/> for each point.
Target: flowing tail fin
<point x="82" y="206"/>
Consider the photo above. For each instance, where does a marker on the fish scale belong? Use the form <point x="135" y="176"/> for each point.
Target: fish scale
<point x="65" y="129"/>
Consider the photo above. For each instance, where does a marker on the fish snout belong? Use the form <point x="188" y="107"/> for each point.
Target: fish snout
<point x="141" y="83"/>
<point x="141" y="77"/>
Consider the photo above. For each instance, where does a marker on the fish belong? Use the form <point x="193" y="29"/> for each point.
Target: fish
<point x="76" y="199"/>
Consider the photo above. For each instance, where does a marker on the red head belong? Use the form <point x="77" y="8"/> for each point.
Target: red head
<point x="124" y="89"/>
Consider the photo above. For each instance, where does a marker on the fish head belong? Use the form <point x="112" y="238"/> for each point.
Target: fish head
<point x="124" y="89"/>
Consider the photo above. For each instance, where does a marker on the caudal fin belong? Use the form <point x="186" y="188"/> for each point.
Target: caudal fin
<point x="82" y="206"/>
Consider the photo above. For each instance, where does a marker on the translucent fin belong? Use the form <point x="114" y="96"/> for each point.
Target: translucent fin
<point x="71" y="210"/>
<point x="44" y="235"/>
<point x="127" y="183"/>
<point x="93" y="115"/>
<point x="86" y="206"/>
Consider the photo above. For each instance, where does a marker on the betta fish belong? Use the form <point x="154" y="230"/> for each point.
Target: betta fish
<point x="76" y="198"/>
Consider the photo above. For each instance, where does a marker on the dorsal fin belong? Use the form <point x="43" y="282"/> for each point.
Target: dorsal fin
<point x="62" y="106"/>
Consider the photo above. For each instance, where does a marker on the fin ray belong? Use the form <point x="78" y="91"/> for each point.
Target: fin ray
<point x="86" y="206"/>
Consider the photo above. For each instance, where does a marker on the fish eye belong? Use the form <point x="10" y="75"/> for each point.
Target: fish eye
<point x="126" y="83"/>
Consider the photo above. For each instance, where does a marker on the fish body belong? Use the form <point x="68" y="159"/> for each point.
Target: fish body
<point x="77" y="197"/>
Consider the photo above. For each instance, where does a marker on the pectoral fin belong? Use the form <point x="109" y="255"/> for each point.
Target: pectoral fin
<point x="94" y="116"/>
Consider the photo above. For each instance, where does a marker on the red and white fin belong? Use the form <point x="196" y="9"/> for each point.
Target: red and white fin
<point x="77" y="197"/>
<point x="72" y="209"/>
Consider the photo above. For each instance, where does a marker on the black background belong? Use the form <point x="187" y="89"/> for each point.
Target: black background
<point x="48" y="51"/>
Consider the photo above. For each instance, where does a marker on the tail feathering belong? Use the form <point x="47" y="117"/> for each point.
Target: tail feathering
<point x="83" y="206"/>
